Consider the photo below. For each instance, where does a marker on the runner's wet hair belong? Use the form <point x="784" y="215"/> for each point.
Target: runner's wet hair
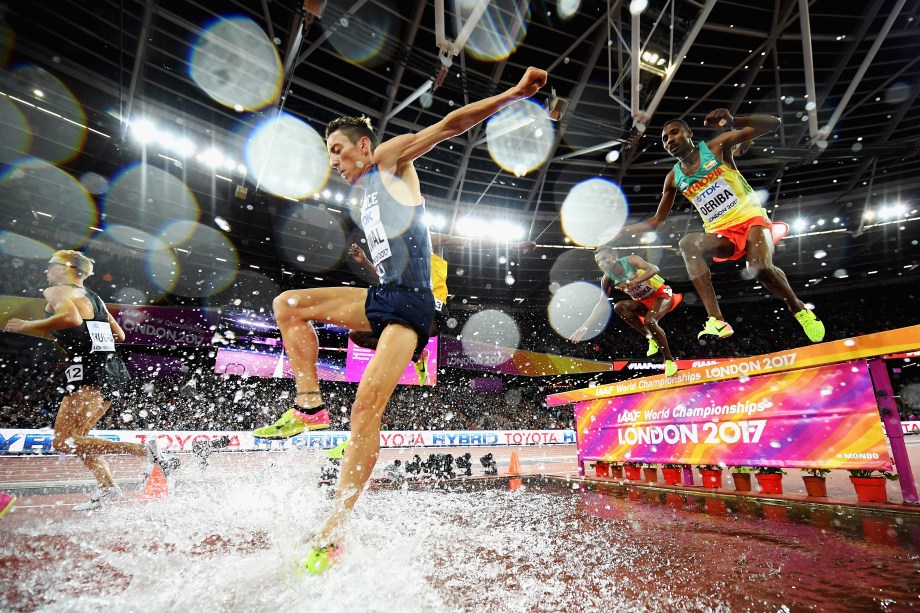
<point x="355" y="128"/>
<point x="76" y="260"/>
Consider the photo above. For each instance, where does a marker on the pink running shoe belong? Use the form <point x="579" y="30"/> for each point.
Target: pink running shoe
<point x="292" y="423"/>
<point x="6" y="503"/>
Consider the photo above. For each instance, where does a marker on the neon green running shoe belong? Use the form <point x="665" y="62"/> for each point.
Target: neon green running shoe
<point x="292" y="423"/>
<point x="652" y="347"/>
<point x="320" y="559"/>
<point x="338" y="452"/>
<point x="716" y="327"/>
<point x="670" y="367"/>
<point x="814" y="327"/>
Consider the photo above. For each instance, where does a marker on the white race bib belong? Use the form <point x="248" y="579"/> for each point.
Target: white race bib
<point x="716" y="200"/>
<point x="373" y="230"/>
<point x="641" y="291"/>
<point x="74" y="373"/>
<point x="100" y="332"/>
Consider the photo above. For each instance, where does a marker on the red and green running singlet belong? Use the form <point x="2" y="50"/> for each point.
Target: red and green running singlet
<point x="720" y="194"/>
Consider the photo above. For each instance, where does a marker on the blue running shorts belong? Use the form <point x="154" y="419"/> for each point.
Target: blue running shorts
<point x="390" y="303"/>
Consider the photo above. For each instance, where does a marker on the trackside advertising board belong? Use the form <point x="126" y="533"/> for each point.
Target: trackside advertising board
<point x="39" y="441"/>
<point x="823" y="417"/>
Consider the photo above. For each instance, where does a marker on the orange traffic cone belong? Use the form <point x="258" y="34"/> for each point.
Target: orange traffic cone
<point x="514" y="466"/>
<point x="156" y="485"/>
<point x="515" y="483"/>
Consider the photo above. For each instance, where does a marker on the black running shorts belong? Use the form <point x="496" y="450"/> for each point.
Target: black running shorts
<point x="103" y="370"/>
<point x="391" y="303"/>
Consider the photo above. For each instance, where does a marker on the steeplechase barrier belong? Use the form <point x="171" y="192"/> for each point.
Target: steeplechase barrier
<point x="26" y="441"/>
<point x="828" y="405"/>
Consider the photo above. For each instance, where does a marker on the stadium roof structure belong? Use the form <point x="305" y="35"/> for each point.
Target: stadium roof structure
<point x="843" y="170"/>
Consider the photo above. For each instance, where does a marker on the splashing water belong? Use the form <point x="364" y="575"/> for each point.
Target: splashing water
<point x="230" y="540"/>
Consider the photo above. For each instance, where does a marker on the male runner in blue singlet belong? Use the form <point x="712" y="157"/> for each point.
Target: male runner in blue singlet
<point x="399" y="310"/>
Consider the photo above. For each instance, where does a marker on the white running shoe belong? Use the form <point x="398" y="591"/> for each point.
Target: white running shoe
<point x="155" y="456"/>
<point x="204" y="449"/>
<point x="98" y="497"/>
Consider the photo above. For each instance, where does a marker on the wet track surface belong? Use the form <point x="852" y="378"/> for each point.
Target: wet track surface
<point x="229" y="536"/>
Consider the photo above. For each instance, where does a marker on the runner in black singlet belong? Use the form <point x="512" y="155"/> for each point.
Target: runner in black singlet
<point x="93" y="375"/>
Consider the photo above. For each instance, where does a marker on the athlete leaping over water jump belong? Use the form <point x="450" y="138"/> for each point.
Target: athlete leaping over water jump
<point x="400" y="309"/>
<point x="734" y="223"/>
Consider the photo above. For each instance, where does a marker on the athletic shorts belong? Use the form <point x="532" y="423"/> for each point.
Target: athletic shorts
<point x="738" y="234"/>
<point x="103" y="370"/>
<point x="391" y="303"/>
<point x="662" y="292"/>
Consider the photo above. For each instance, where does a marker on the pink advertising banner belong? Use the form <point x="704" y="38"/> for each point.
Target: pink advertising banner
<point x="166" y="326"/>
<point x="824" y="417"/>
<point x="423" y="372"/>
<point x="884" y="343"/>
<point x="276" y="365"/>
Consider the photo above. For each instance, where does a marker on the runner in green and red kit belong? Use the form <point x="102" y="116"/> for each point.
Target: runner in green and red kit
<point x="734" y="223"/>
<point x="650" y="299"/>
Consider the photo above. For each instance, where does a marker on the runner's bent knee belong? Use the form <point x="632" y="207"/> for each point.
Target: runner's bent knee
<point x="690" y="244"/>
<point x="63" y="442"/>
<point x="758" y="268"/>
<point x="291" y="304"/>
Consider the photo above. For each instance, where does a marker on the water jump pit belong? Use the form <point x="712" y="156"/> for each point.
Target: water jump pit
<point x="230" y="535"/>
<point x="228" y="541"/>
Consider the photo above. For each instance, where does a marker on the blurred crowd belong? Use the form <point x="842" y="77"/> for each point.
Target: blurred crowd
<point x="30" y="394"/>
<point x="198" y="399"/>
<point x="208" y="401"/>
<point x="27" y="399"/>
